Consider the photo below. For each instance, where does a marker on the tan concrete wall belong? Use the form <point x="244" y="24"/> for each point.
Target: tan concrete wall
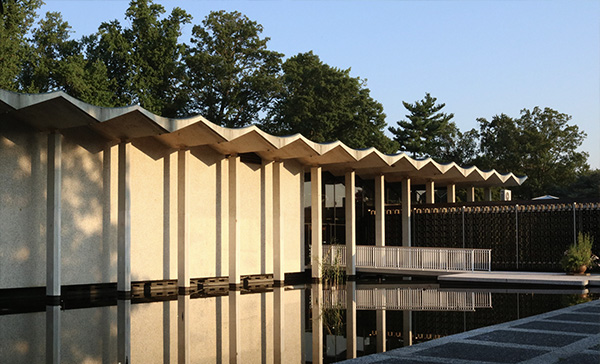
<point x="22" y="207"/>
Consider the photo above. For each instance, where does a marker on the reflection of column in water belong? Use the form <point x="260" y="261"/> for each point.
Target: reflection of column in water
<point x="381" y="326"/>
<point x="278" y="324"/>
<point x="317" y="323"/>
<point x="350" y="319"/>
<point x="234" y="327"/>
<point x="183" y="329"/>
<point x="52" y="334"/>
<point x="124" y="331"/>
<point x="407" y="328"/>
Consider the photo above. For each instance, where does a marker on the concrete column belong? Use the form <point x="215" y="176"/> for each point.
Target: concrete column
<point x="317" y="323"/>
<point x="53" y="223"/>
<point x="278" y="325"/>
<point x="124" y="220"/>
<point x="429" y="192"/>
<point x="316" y="222"/>
<point x="381" y="329"/>
<point x="350" y="319"/>
<point x="278" y="226"/>
<point x="350" y="224"/>
<point x="488" y="193"/>
<point x="124" y="331"/>
<point x="234" y="222"/>
<point x="183" y="329"/>
<point x="406" y="213"/>
<point x="451" y="193"/>
<point x="380" y="210"/>
<point x="234" y="327"/>
<point x="183" y="221"/>
<point x="53" y="334"/>
<point x="470" y="194"/>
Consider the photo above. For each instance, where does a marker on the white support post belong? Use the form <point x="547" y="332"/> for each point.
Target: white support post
<point x="183" y="221"/>
<point x="381" y="328"/>
<point x="278" y="225"/>
<point x="350" y="181"/>
<point x="317" y="323"/>
<point x="407" y="328"/>
<point x="53" y="334"/>
<point x="379" y="210"/>
<point x="53" y="222"/>
<point x="278" y="325"/>
<point x="234" y="328"/>
<point x="124" y="331"/>
<point x="470" y="194"/>
<point x="488" y="193"/>
<point x="316" y="222"/>
<point x="234" y="222"/>
<point x="124" y="220"/>
<point x="430" y="192"/>
<point x="406" y="213"/>
<point x="451" y="193"/>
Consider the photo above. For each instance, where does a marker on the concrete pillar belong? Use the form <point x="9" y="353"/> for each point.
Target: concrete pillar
<point x="278" y="325"/>
<point x="234" y="328"/>
<point x="451" y="193"/>
<point x="470" y="194"/>
<point x="488" y="193"/>
<point x="124" y="331"/>
<point x="317" y="323"/>
<point x="183" y="221"/>
<point x="379" y="210"/>
<point x="53" y="334"/>
<point x="53" y="223"/>
<point x="406" y="213"/>
<point x="429" y="192"/>
<point x="350" y="319"/>
<point x="124" y="220"/>
<point x="350" y="224"/>
<point x="278" y="225"/>
<point x="234" y="222"/>
<point x="183" y="329"/>
<point x="316" y="222"/>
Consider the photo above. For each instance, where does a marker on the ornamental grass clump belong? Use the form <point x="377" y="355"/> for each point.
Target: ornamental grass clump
<point x="579" y="256"/>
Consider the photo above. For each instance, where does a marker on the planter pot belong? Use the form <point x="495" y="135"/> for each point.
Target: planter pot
<point x="579" y="271"/>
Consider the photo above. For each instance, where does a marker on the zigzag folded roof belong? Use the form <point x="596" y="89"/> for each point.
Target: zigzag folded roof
<point x="59" y="111"/>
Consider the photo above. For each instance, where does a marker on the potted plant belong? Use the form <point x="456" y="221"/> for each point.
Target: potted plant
<point x="578" y="258"/>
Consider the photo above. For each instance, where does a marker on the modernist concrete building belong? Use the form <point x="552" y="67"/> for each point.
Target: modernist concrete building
<point x="92" y="195"/>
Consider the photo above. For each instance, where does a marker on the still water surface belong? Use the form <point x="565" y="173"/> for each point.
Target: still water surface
<point x="295" y="324"/>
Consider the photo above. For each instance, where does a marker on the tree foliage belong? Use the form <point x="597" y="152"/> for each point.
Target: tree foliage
<point x="232" y="75"/>
<point x="428" y="132"/>
<point x="540" y="144"/>
<point x="326" y="104"/>
<point x="16" y="20"/>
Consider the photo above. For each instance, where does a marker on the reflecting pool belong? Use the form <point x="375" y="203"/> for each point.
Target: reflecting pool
<point x="292" y="324"/>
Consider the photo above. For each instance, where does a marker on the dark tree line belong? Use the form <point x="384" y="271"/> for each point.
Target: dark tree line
<point x="227" y="73"/>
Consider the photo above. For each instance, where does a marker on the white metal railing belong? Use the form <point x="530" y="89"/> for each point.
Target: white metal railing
<point x="414" y="299"/>
<point x="412" y="258"/>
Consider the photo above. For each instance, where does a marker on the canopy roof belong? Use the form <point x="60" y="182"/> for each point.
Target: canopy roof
<point x="59" y="111"/>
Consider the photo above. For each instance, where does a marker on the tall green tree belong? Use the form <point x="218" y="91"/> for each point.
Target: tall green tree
<point x="233" y="76"/>
<point x="540" y="144"/>
<point x="325" y="104"/>
<point x="428" y="132"/>
<point x="145" y="60"/>
<point x="16" y="20"/>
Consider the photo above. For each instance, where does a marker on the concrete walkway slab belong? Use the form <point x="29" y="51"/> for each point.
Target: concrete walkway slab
<point x="537" y="278"/>
<point x="568" y="335"/>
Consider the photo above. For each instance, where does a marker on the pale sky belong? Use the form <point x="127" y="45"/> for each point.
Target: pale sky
<point x="480" y="58"/>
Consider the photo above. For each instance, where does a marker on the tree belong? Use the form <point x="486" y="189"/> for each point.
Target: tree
<point x="325" y="104"/>
<point x="144" y="61"/>
<point x="540" y="144"/>
<point x="428" y="132"/>
<point x="16" y="20"/>
<point x="232" y="75"/>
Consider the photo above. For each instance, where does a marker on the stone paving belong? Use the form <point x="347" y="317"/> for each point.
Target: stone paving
<point x="569" y="335"/>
